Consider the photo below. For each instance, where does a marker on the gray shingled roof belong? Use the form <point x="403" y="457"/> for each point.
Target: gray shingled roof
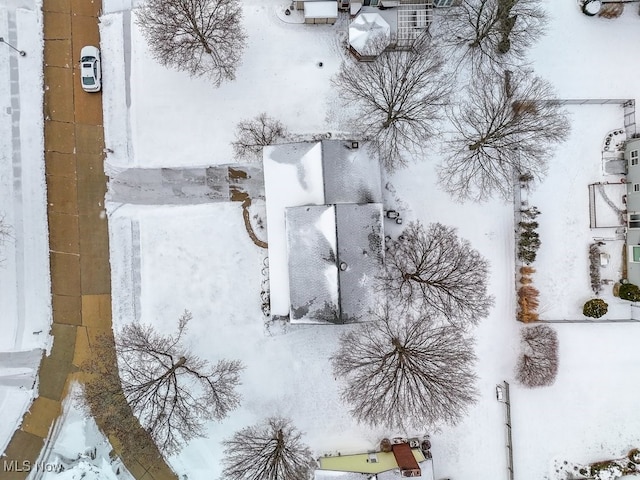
<point x="304" y="182"/>
<point x="350" y="174"/>
<point x="329" y="287"/>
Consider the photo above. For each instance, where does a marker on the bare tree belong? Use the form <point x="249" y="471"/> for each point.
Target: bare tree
<point x="493" y="32"/>
<point x="538" y="362"/>
<point x="507" y="127"/>
<point x="253" y="134"/>
<point x="432" y="267"/>
<point x="201" y="37"/>
<point x="5" y="235"/>
<point x="398" y="100"/>
<point x="103" y="397"/>
<point x="171" y="391"/>
<point x="272" y="450"/>
<point x="406" y="372"/>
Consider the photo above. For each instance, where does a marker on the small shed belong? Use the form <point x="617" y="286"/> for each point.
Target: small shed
<point x="406" y="461"/>
<point x="321" y="12"/>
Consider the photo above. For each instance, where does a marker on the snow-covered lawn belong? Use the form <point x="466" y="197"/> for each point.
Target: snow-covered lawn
<point x="25" y="303"/>
<point x="280" y="74"/>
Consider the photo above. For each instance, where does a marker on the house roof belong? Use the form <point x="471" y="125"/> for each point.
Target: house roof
<point x="633" y="175"/>
<point x="376" y="466"/>
<point x="335" y="254"/>
<point x="633" y="206"/>
<point x="311" y="173"/>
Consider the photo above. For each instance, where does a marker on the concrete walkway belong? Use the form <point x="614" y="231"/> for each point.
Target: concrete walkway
<point x="78" y="232"/>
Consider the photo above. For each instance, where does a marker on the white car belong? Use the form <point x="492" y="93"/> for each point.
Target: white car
<point x="90" y="75"/>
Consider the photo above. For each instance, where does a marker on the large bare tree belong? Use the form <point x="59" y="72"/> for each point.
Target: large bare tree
<point x="408" y="370"/>
<point x="538" y="362"/>
<point x="432" y="267"/>
<point x="170" y="390"/>
<point x="397" y="100"/>
<point x="508" y="126"/>
<point x="493" y="32"/>
<point x="201" y="37"/>
<point x="271" y="450"/>
<point x="252" y="135"/>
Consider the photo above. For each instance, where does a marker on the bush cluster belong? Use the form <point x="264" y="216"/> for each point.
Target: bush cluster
<point x="594" y="267"/>
<point x="527" y="296"/>
<point x="528" y="237"/>
<point x="629" y="291"/>
<point x="595" y="308"/>
<point x="538" y="362"/>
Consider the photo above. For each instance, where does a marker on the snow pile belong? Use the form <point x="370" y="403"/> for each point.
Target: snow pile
<point x="78" y="450"/>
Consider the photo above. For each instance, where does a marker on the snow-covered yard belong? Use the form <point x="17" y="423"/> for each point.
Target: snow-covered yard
<point x="562" y="264"/>
<point x="286" y="71"/>
<point x="166" y="259"/>
<point x="200" y="258"/>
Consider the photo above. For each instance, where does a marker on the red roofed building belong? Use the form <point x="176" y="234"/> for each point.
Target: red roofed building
<point x="406" y="461"/>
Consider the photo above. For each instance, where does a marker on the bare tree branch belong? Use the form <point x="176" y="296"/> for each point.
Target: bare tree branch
<point x="171" y="391"/>
<point x="253" y="134"/>
<point x="507" y="127"/>
<point x="538" y="362"/>
<point x="493" y="33"/>
<point x="201" y="37"/>
<point x="272" y="450"/>
<point x="436" y="269"/>
<point x="406" y="372"/>
<point x="399" y="99"/>
<point x="5" y="235"/>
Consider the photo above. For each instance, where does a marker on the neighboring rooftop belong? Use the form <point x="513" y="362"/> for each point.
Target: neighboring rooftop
<point x="377" y="465"/>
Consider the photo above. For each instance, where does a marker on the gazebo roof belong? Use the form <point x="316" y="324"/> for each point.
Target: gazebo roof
<point x="369" y="34"/>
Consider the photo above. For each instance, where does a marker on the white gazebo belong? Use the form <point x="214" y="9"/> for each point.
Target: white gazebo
<point x="369" y="35"/>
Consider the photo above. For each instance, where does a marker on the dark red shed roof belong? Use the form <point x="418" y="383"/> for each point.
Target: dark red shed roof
<point x="404" y="457"/>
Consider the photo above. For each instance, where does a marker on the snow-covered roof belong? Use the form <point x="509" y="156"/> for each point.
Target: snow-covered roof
<point x="321" y="9"/>
<point x="313" y="173"/>
<point x="335" y="255"/>
<point x="313" y="272"/>
<point x="369" y="34"/>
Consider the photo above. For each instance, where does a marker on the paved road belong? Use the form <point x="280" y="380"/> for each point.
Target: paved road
<point x="78" y="231"/>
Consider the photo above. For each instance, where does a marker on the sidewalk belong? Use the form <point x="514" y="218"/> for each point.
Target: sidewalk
<point x="78" y="230"/>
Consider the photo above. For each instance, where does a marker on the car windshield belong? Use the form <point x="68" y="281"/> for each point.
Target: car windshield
<point x="86" y="59"/>
<point x="88" y="81"/>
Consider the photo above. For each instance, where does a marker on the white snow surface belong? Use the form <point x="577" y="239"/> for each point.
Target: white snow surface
<point x="77" y="449"/>
<point x="280" y="74"/>
<point x="167" y="259"/>
<point x="25" y="302"/>
<point x="200" y="258"/>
